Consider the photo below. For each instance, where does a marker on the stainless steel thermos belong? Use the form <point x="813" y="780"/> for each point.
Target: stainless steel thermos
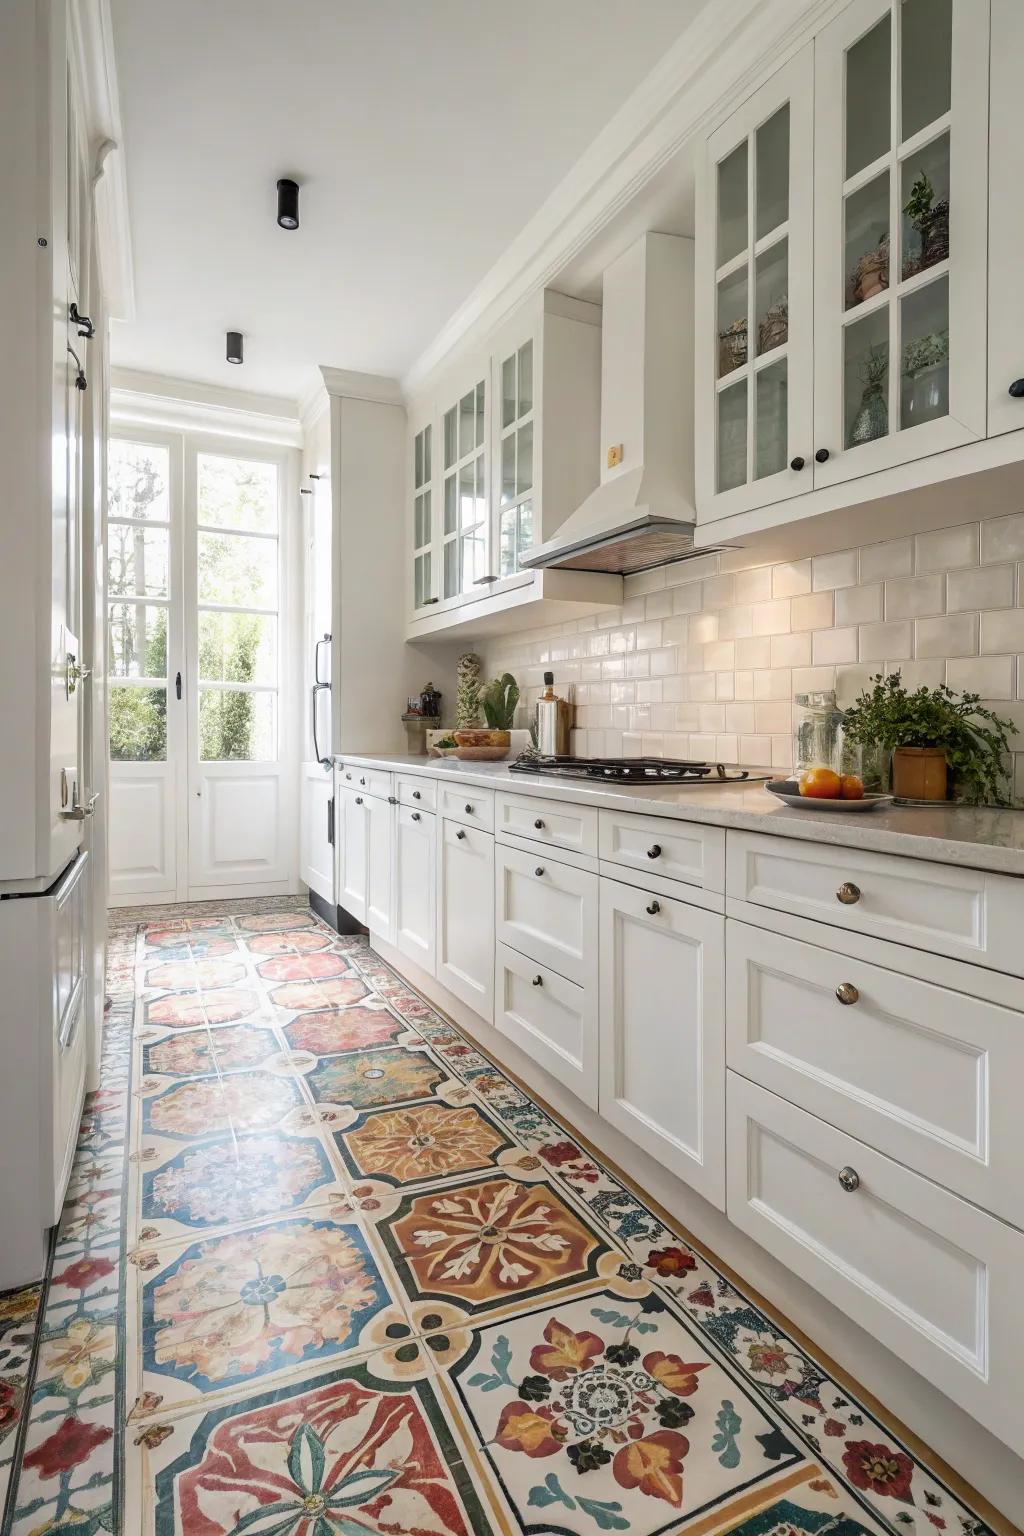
<point x="554" y="721"/>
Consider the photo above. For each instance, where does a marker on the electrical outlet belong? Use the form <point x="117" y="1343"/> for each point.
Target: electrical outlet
<point x="614" y="455"/>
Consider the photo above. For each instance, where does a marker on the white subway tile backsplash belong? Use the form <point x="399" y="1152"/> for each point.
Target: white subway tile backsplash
<point x="832" y="646"/>
<point x="956" y="635"/>
<point x="914" y="597"/>
<point x="718" y="592"/>
<point x="693" y="569"/>
<point x="839" y="570"/>
<point x="740" y="717"/>
<point x="947" y="549"/>
<point x="725" y="685"/>
<point x="859" y="605"/>
<point x="815" y="610"/>
<point x="773" y="618"/>
<point x="986" y="586"/>
<point x="773" y="716"/>
<point x="754" y="586"/>
<point x="920" y="674"/>
<point x="851" y="682"/>
<point x="686" y="599"/>
<point x="791" y="580"/>
<point x="1002" y="538"/>
<point x="991" y="676"/>
<point x="791" y="650"/>
<point x="658" y="605"/>
<point x="703" y="627"/>
<point x="645" y="581"/>
<point x="756" y="652"/>
<point x="773" y="683"/>
<point x="881" y="642"/>
<point x="1002" y="631"/>
<point x="886" y="561"/>
<point x="720" y="656"/>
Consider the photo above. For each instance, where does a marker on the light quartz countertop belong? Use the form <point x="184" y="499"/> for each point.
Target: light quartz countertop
<point x="978" y="838"/>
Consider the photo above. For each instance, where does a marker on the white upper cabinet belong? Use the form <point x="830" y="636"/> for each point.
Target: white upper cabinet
<point x="755" y="310"/>
<point x="1006" y="223"/>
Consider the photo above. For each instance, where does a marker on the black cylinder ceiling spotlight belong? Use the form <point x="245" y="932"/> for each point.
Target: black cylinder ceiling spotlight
<point x="288" y="204"/>
<point x="234" y="347"/>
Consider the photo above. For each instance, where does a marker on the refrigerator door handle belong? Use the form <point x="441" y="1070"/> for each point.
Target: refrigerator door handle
<point x="318" y="688"/>
<point x="316" y="661"/>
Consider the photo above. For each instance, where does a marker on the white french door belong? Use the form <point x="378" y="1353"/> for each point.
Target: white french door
<point x="201" y="735"/>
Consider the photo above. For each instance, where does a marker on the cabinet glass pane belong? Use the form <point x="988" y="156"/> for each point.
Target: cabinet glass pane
<point x="867" y="241"/>
<point x="732" y="204"/>
<point x="526" y="378"/>
<point x="237" y="648"/>
<point x="451" y="516"/>
<point x="924" y="198"/>
<point x="732" y="436"/>
<point x="508" y="391"/>
<point x="866" y="378"/>
<point x="467" y="495"/>
<point x="771" y="297"/>
<point x="136" y="640"/>
<point x="237" y="727"/>
<point x="868" y="105"/>
<point x="138" y="725"/>
<point x="926" y="50"/>
<point x="422" y="579"/>
<point x="771" y="421"/>
<point x="137" y="479"/>
<point x="423" y="519"/>
<point x="508" y="468"/>
<point x="771" y="169"/>
<point x="732" y="322"/>
<point x="451" y="448"/>
<point x="508" y="541"/>
<point x="524" y="459"/>
<point x="451" y="568"/>
<point x="136" y="561"/>
<point x="426" y="433"/>
<point x="418" y="456"/>
<point x="924" y="354"/>
<point x="525" y="526"/>
<point x="467" y="423"/>
<point x="473" y="547"/>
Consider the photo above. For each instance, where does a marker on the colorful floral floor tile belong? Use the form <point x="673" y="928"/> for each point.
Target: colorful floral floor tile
<point x="324" y="1270"/>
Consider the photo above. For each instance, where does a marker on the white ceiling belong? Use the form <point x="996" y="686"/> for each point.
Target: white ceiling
<point x="425" y="133"/>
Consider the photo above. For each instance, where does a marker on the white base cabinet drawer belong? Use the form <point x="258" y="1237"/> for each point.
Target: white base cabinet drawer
<point x="930" y="1076"/>
<point x="662" y="1004"/>
<point x="415" y="882"/>
<point x="560" y="823"/>
<point x="368" y="781"/>
<point x="475" y="807"/>
<point x="417" y="791"/>
<point x="963" y="913"/>
<point x="933" y="1278"/>
<point x="551" y="1019"/>
<point x="656" y="845"/>
<point x="548" y="911"/>
<point x="465" y="915"/>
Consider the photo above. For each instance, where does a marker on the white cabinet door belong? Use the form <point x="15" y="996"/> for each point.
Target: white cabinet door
<point x="662" y="1031"/>
<point x="316" y="829"/>
<point x="415" y="880"/>
<point x="1005" y="223"/>
<point x="67" y="1042"/>
<point x="379" y="912"/>
<point x="552" y="1020"/>
<point x="465" y="915"/>
<point x="754" y="358"/>
<point x="901" y="211"/>
<point x="352" y="853"/>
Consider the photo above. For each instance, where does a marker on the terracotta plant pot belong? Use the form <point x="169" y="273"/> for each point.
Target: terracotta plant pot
<point x="482" y="746"/>
<point x="919" y="773"/>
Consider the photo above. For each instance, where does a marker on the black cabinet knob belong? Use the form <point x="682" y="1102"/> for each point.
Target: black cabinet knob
<point x="539" y="825"/>
<point x="414" y="816"/>
<point x="469" y="809"/>
<point x="654" y="908"/>
<point x="654" y="851"/>
<point x="797" y="463"/>
<point x="1017" y="389"/>
<point x="460" y="834"/>
<point x="359" y="799"/>
<point x="821" y="455"/>
<point x="539" y="870"/>
<point x="416" y="795"/>
<point x="538" y="981"/>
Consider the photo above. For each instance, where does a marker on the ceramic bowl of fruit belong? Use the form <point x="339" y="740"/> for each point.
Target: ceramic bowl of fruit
<point x="821" y="789"/>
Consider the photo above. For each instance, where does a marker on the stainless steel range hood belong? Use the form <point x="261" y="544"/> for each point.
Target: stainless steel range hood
<point x="642" y="513"/>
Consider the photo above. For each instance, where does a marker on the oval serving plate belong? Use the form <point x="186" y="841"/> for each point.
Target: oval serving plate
<point x="788" y="791"/>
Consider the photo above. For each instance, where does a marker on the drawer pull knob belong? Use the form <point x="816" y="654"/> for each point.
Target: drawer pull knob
<point x="849" y="1178"/>
<point x="653" y="907"/>
<point x="348" y="776"/>
<point x="539" y="824"/>
<point x="363" y="782"/>
<point x="848" y="893"/>
<point x="469" y="808"/>
<point x="416" y="794"/>
<point x="538" y="981"/>
<point x="654" y="851"/>
<point x="359" y="799"/>
<point x="414" y="816"/>
<point x="539" y="870"/>
<point x="460" y="834"/>
<point x="847" y="993"/>
<point x="392" y="800"/>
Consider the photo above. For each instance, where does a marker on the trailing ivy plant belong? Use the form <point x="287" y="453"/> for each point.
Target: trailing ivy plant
<point x="976" y="740"/>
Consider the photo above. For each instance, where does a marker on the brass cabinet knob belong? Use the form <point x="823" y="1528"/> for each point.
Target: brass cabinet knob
<point x="848" y="893"/>
<point x="847" y="993"/>
<point x="849" y="1178"/>
<point x="653" y="907"/>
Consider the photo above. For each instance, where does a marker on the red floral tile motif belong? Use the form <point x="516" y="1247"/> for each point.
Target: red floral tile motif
<point x="301" y="942"/>
<point x="879" y="1469"/>
<point x="194" y="973"/>
<point x="302" y="967"/>
<point x="184" y="1010"/>
<point x="192" y="945"/>
<point x="67" y="1447"/>
<point x="304" y="996"/>
<point x="346" y="1029"/>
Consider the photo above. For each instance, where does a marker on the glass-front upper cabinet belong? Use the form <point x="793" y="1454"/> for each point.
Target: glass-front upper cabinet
<point x="754" y="306"/>
<point x="423" y="521"/>
<point x="515" y="451"/>
<point x="464" y="493"/>
<point x="900" y="232"/>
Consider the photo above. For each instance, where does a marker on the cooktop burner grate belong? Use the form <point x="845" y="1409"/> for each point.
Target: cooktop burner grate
<point x="633" y="770"/>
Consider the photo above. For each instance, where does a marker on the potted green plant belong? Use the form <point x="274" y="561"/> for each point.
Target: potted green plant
<point x="939" y="740"/>
<point x="498" y="700"/>
<point x="925" y="363"/>
<point x="931" y="221"/>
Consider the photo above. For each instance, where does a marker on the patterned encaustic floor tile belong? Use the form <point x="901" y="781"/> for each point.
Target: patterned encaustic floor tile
<point x="324" y="1270"/>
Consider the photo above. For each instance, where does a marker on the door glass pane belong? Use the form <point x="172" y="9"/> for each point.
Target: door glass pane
<point x="237" y="648"/>
<point x="237" y="727"/>
<point x="867" y="241"/>
<point x="467" y="424"/>
<point x="868" y="106"/>
<point x="467" y="495"/>
<point x="926" y="48"/>
<point x="732" y="322"/>
<point x="451" y="504"/>
<point x="136" y="560"/>
<point x="136" y="640"/>
<point x="526" y="378"/>
<point x="451" y="568"/>
<point x="771" y="297"/>
<point x="924" y="197"/>
<point x="732" y="204"/>
<point x="732" y="436"/>
<point x="772" y="171"/>
<point x="924" y="354"/>
<point x="451" y="451"/>
<point x="238" y="570"/>
<point x="234" y="493"/>
<point x="508" y="391"/>
<point x="138" y="725"/>
<point x="508" y="468"/>
<point x="770" y="450"/>
<point x="137" y="480"/>
<point x="866" y="378"/>
<point x="524" y="459"/>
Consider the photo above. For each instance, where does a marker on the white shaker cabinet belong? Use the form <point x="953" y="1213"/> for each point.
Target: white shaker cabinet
<point x="662" y="1028"/>
<point x="1006" y="223"/>
<point x="414" y="885"/>
<point x="465" y="915"/>
<point x="379" y="836"/>
<point x="351" y="836"/>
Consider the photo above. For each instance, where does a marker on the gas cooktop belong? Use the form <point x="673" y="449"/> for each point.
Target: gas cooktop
<point x="636" y="770"/>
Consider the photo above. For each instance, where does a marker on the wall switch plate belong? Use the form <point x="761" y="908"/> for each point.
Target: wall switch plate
<point x="614" y="455"/>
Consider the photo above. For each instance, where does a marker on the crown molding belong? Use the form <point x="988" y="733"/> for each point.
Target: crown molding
<point x="92" y="50"/>
<point x="377" y="387"/>
<point x="724" y="53"/>
<point x="181" y="405"/>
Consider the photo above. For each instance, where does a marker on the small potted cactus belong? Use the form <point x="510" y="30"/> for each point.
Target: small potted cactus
<point x="498" y="700"/>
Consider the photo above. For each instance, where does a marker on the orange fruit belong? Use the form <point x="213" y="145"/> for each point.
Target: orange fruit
<point x="821" y="784"/>
<point x="852" y="786"/>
